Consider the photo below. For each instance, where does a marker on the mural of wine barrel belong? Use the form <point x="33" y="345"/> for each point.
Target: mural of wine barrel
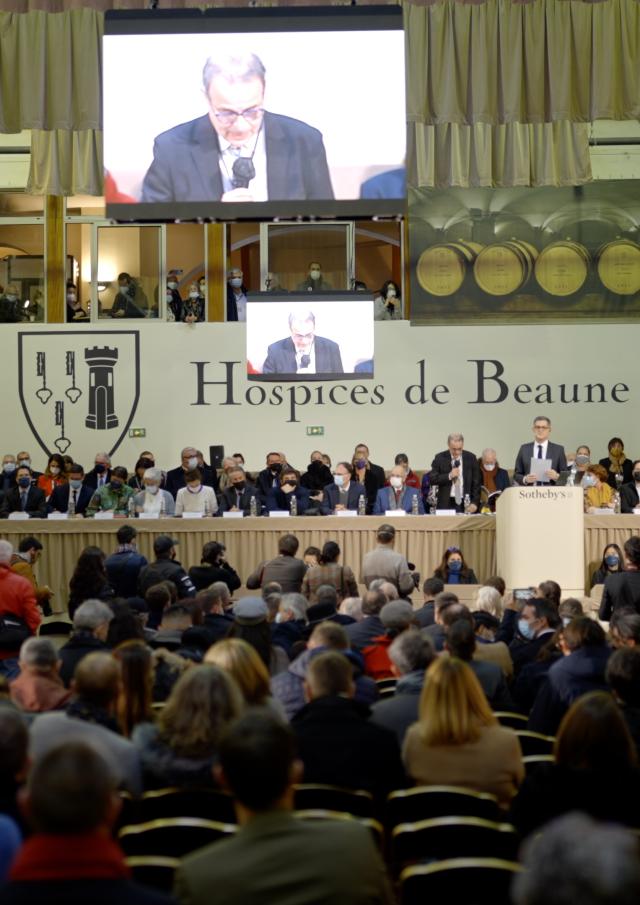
<point x="618" y="266"/>
<point x="442" y="268"/>
<point x="562" y="267"/>
<point x="503" y="268"/>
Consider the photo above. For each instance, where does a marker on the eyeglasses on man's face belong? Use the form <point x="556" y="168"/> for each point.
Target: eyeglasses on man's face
<point x="229" y="117"/>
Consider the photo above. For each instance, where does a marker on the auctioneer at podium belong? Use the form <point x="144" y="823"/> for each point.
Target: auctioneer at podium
<point x="540" y="534"/>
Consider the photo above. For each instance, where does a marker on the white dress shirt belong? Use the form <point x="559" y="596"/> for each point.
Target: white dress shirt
<point x="460" y="480"/>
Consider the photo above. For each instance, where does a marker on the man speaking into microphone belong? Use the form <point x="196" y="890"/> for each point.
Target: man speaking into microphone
<point x="303" y="352"/>
<point x="456" y="474"/>
<point x="237" y="151"/>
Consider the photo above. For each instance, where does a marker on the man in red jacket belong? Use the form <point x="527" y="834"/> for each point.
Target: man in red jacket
<point x="396" y="616"/>
<point x="18" y="609"/>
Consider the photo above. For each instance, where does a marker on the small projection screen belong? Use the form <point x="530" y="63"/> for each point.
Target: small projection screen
<point x="254" y="114"/>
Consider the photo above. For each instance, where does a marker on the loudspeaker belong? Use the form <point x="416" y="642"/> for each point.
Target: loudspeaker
<point x="216" y="455"/>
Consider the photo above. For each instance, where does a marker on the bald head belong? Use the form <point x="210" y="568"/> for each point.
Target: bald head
<point x="97" y="680"/>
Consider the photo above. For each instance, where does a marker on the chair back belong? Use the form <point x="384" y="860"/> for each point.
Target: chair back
<point x="171" y="837"/>
<point x="512" y="720"/>
<point x="426" y="802"/>
<point x="532" y="743"/>
<point x="465" y="881"/>
<point x="312" y="796"/>
<point x="452" y="837"/>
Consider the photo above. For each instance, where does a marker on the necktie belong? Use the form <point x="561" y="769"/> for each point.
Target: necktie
<point x="457" y="489"/>
<point x="23" y="500"/>
<point x="75" y="497"/>
<point x="539" y="451"/>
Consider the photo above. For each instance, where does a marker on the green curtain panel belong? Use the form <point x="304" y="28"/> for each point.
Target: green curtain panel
<point x="515" y="154"/>
<point x="540" y="62"/>
<point x="66" y="163"/>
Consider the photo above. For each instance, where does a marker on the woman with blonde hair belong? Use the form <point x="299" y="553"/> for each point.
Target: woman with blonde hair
<point x="244" y="664"/>
<point x="457" y="740"/>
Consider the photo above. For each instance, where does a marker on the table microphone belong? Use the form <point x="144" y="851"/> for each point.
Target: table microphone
<point x="305" y="361"/>
<point x="243" y="172"/>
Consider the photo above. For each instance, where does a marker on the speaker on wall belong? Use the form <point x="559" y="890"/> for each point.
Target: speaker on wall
<point x="216" y="455"/>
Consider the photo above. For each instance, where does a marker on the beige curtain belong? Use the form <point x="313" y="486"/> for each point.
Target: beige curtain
<point x="514" y="154"/>
<point x="66" y="163"/>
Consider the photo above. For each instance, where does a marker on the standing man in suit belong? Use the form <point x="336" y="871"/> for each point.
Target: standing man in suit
<point x="303" y="352"/>
<point x="74" y="490"/>
<point x="24" y="497"/>
<point x="541" y="448"/>
<point x="456" y="474"/>
<point x="237" y="151"/>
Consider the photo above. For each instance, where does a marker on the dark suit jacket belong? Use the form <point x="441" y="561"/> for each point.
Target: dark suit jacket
<point x="555" y="452"/>
<point x="229" y="496"/>
<point x="332" y="497"/>
<point x="36" y="503"/>
<point x="281" y="357"/>
<point x="59" y="499"/>
<point x="439" y="475"/>
<point x="278" y="499"/>
<point x="185" y="162"/>
<point x="383" y="501"/>
<point x="175" y="479"/>
<point x="91" y="478"/>
<point x="629" y="497"/>
<point x="627" y="471"/>
<point x="264" y="481"/>
<point x="622" y="592"/>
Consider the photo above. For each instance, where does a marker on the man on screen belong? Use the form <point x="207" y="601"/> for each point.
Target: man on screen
<point x="237" y="151"/>
<point x="303" y="352"/>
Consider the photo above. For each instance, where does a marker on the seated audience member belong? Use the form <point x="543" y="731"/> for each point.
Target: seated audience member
<point x="54" y="475"/>
<point x="360" y="634"/>
<point x="387" y="303"/>
<point x="325" y="609"/>
<point x="273" y="850"/>
<point x="136" y="689"/>
<point x="72" y="802"/>
<point x="214" y="567"/>
<point x="286" y="569"/>
<point x="384" y="562"/>
<point x="288" y="687"/>
<point x="580" y="671"/>
<point x="176" y="477"/>
<point x="493" y="479"/>
<point x="14" y="760"/>
<point x="624" y="629"/>
<point x="165" y="568"/>
<point x="39" y="687"/>
<point x="90" y="628"/>
<point x="242" y="662"/>
<point x="623" y="677"/>
<point x="100" y="474"/>
<point x="290" y="621"/>
<point x="611" y="563"/>
<point x="24" y="497"/>
<point x="411" y="478"/>
<point x="195" y="497"/>
<point x="96" y="690"/>
<point x="281" y="497"/>
<point x="352" y="607"/>
<point x="123" y="567"/>
<point x="497" y="582"/>
<point x="486" y="628"/>
<point x="215" y="604"/>
<point x="630" y="492"/>
<point x="549" y="590"/>
<point x="175" y="621"/>
<point x="239" y="492"/>
<point x="250" y="624"/>
<point x="125" y="626"/>
<point x="89" y="579"/>
<point x="8" y="473"/>
<point x="425" y="616"/>
<point x="397" y="495"/>
<point x="151" y="498"/>
<point x="595" y="770"/>
<point x="311" y="557"/>
<point x="182" y="747"/>
<point x="457" y="740"/>
<point x="368" y="481"/>
<point x="22" y="563"/>
<point x="618" y="468"/>
<point x="389" y="590"/>
<point x="136" y="481"/>
<point x="116" y="496"/>
<point x="533" y="676"/>
<point x="598" y="494"/>
<point x="488" y="600"/>
<point x="411" y="654"/>
<point x="538" y="620"/>
<point x="461" y="643"/>
<point x="17" y="599"/>
<point x="602" y="868"/>
<point x="336" y="743"/>
<point x="436" y="631"/>
<point x="329" y="571"/>
<point x="317" y="476"/>
<point x="453" y="569"/>
<point x="622" y="591"/>
<point x="569" y="609"/>
<point x="158" y="598"/>
<point x="73" y="492"/>
<point x="396" y="617"/>
<point x="227" y="464"/>
<point x="344" y="493"/>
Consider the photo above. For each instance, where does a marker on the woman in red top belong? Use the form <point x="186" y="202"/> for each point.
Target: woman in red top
<point x="53" y="476"/>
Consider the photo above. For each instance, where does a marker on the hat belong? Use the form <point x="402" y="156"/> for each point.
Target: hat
<point x="163" y="543"/>
<point x="250" y="611"/>
<point x="321" y="612"/>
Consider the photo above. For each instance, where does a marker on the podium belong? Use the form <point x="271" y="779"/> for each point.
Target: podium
<point x="540" y="536"/>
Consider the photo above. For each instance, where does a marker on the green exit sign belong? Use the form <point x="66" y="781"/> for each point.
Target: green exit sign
<point x="315" y="431"/>
<point x="138" y="432"/>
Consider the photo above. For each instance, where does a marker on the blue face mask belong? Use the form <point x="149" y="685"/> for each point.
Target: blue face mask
<point x="24" y="481"/>
<point x="588" y="481"/>
<point x="612" y="560"/>
<point x="526" y="629"/>
<point x="455" y="565"/>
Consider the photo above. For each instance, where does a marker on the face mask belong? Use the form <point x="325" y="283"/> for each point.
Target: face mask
<point x="99" y="468"/>
<point x="314" y="274"/>
<point x="455" y="565"/>
<point x="202" y="288"/>
<point x="9" y="467"/>
<point x="71" y="296"/>
<point x="116" y="484"/>
<point x="123" y="290"/>
<point x="278" y="618"/>
<point x="489" y="466"/>
<point x="75" y="483"/>
<point x="240" y="485"/>
<point x="526" y="629"/>
<point x="360" y="463"/>
<point x="277" y="468"/>
<point x="636" y="476"/>
<point x="172" y="285"/>
<point x="236" y="282"/>
<point x="582" y="460"/>
<point x="54" y="470"/>
<point x="169" y="297"/>
<point x="194" y="488"/>
<point x="338" y="480"/>
<point x="566" y="620"/>
<point x="612" y="560"/>
<point x="391" y="293"/>
<point x="193" y="294"/>
<point x="12" y="298"/>
<point x="588" y="481"/>
<point x="395" y="482"/>
<point x="152" y="489"/>
<point x="292" y="483"/>
<point x="193" y="462"/>
<point x="24" y="481"/>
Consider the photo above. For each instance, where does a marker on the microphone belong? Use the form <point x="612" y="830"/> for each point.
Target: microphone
<point x="456" y="463"/>
<point x="243" y="172"/>
<point x="305" y="361"/>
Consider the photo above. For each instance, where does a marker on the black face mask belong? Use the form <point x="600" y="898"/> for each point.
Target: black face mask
<point x="276" y="469"/>
<point x="292" y="483"/>
<point x="240" y="485"/>
<point x="636" y="476"/>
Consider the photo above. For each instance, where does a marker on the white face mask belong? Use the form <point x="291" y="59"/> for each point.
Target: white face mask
<point x="123" y="290"/>
<point x="391" y="293"/>
<point x="278" y="617"/>
<point x="152" y="489"/>
<point x="71" y="296"/>
<point x="194" y="488"/>
<point x="314" y="274"/>
<point x="193" y="294"/>
<point x="25" y="462"/>
<point x="489" y="466"/>
<point x="11" y="297"/>
<point x="193" y="462"/>
<point x="172" y="285"/>
<point x="54" y="470"/>
<point x="395" y="481"/>
<point x="169" y="297"/>
<point x="236" y="282"/>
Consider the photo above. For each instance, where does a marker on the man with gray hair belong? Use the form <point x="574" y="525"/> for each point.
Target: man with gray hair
<point x="303" y="352"/>
<point x="39" y="687"/>
<point x="493" y="478"/>
<point x="19" y="614"/>
<point x="90" y="627"/>
<point x="411" y="654"/>
<point x="237" y="151"/>
<point x="396" y="617"/>
<point x="456" y="474"/>
<point x="290" y="621"/>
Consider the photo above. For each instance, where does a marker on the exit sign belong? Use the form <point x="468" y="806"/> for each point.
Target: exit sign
<point x="315" y="431"/>
<point x="138" y="432"/>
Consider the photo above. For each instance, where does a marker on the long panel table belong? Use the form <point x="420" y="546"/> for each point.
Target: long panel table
<point x="422" y="539"/>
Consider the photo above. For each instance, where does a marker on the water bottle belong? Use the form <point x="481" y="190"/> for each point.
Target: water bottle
<point x="415" y="509"/>
<point x="467" y="503"/>
<point x="362" y="505"/>
<point x="616" y="503"/>
<point x="163" y="506"/>
<point x="131" y="507"/>
<point x="72" y="506"/>
<point x="571" y="480"/>
<point x="205" y="508"/>
<point x="293" y="505"/>
<point x="253" y="506"/>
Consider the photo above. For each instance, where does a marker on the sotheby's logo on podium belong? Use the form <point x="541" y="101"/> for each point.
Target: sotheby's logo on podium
<point x="72" y="382"/>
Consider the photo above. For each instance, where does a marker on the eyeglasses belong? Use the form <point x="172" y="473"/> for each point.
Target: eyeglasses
<point x="228" y="117"/>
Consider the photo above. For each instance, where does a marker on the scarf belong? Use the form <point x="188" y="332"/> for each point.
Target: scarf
<point x="489" y="478"/>
<point x="71" y="857"/>
<point x="617" y="462"/>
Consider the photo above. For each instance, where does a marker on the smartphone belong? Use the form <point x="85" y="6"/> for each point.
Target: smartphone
<point x="522" y="593"/>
